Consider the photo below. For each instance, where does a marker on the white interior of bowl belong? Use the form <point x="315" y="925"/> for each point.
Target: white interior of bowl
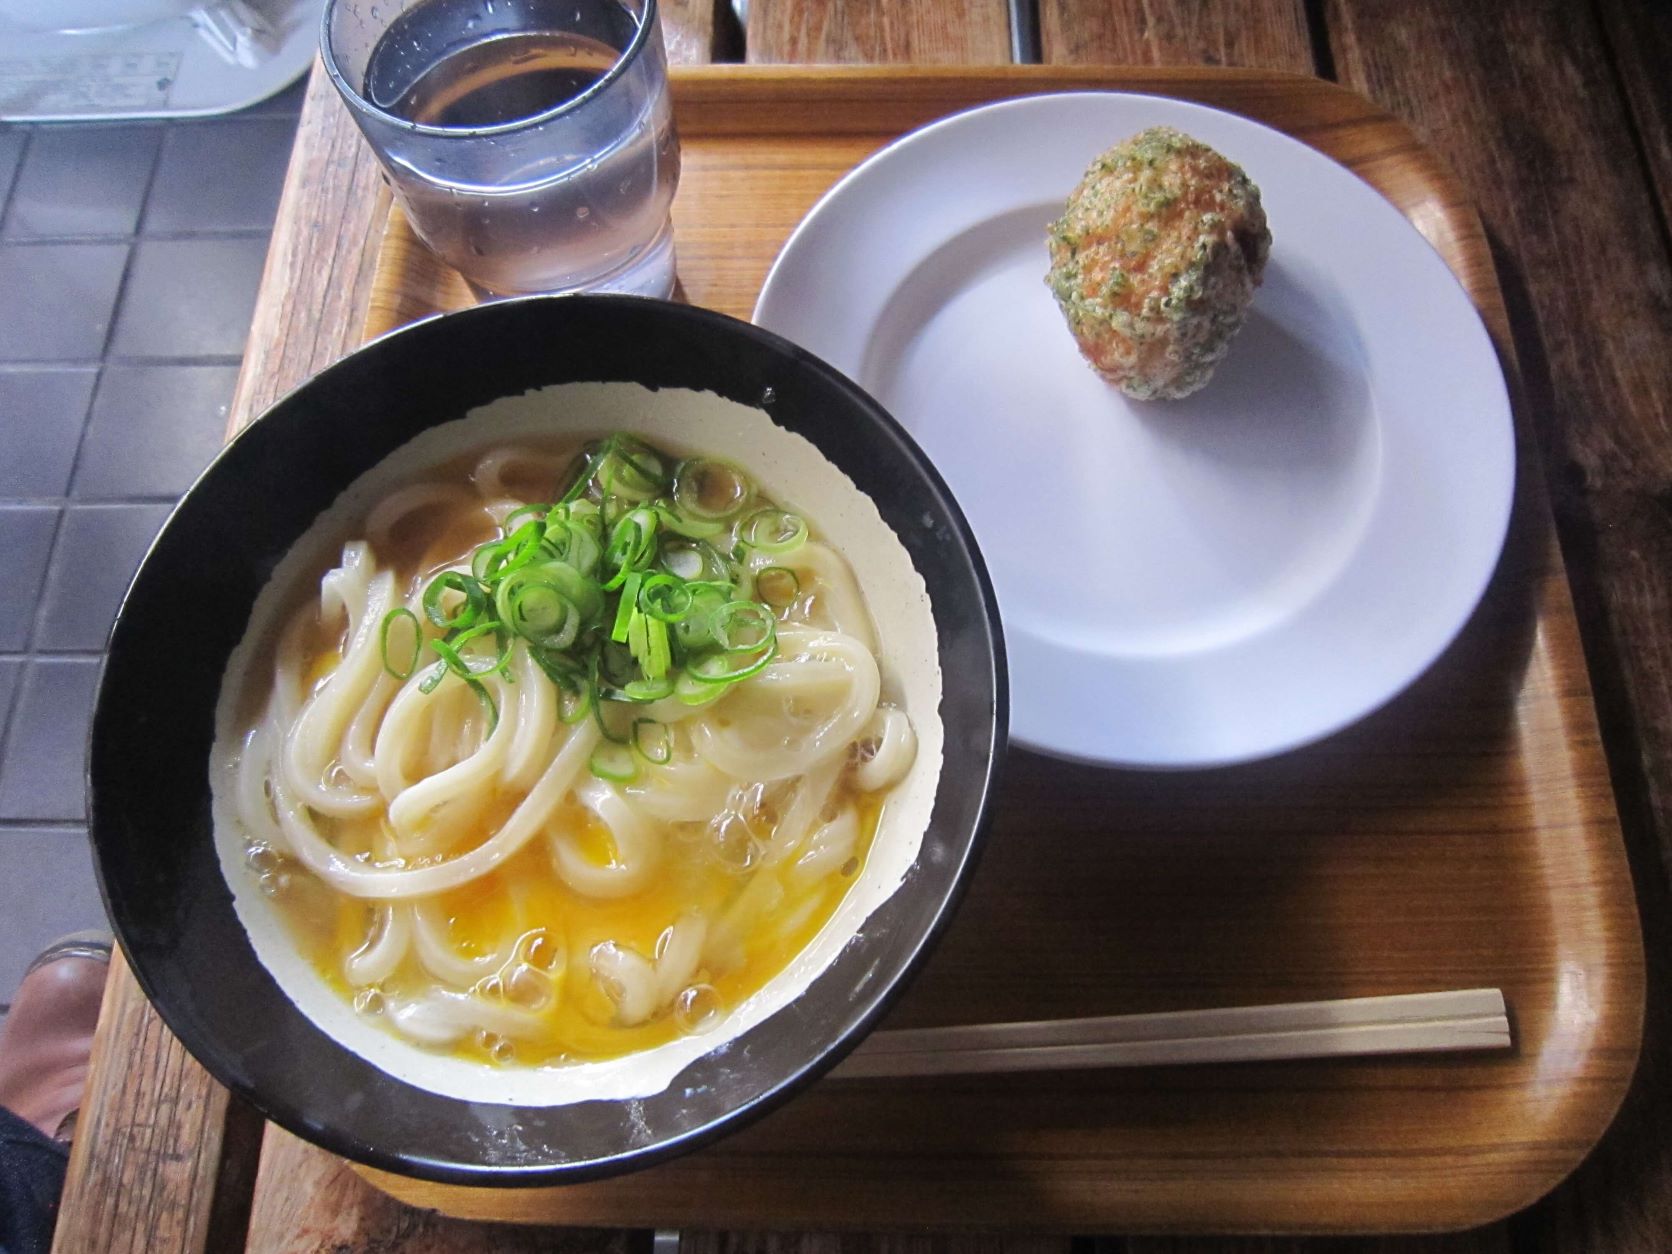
<point x="794" y="473"/>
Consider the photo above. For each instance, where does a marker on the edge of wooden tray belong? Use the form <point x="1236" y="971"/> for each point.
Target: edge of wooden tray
<point x="1387" y="154"/>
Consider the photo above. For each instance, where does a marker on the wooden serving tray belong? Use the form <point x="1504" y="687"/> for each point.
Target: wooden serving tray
<point x="1465" y="836"/>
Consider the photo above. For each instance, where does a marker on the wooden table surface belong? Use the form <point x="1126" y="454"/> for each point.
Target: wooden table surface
<point x="1556" y="116"/>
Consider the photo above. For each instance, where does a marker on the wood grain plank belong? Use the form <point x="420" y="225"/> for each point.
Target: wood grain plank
<point x="1493" y="1239"/>
<point x="313" y="1203"/>
<point x="1590" y="287"/>
<point x="690" y="29"/>
<point x="974" y="32"/>
<point x="756" y="1242"/>
<point x="321" y="259"/>
<point x="1640" y="39"/>
<point x="146" y="1162"/>
<point x="1262" y="34"/>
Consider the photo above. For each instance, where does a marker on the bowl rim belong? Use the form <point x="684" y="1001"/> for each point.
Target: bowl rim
<point x="292" y="1115"/>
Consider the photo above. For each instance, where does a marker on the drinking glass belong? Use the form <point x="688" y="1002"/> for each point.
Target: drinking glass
<point x="531" y="142"/>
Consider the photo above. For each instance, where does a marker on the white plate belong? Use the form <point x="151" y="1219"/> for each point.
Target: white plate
<point x="1183" y="583"/>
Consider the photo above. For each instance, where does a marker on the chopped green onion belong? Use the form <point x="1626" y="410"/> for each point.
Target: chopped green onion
<point x="642" y="691"/>
<point x="486" y="698"/>
<point x="542" y="614"/>
<point x="389" y="620"/>
<point x="666" y="597"/>
<point x="460" y="639"/>
<point x="614" y="762"/>
<point x="722" y="668"/>
<point x="684" y="562"/>
<point x="632" y="545"/>
<point x="533" y="511"/>
<point x="496" y="560"/>
<point x="653" y="740"/>
<point x="572" y="707"/>
<point x="475" y="601"/>
<point x="623" y="592"/>
<point x="572" y="541"/>
<point x="432" y="681"/>
<point x="522" y="545"/>
<point x="692" y="691"/>
<point x="636" y="643"/>
<point x="777" y="586"/>
<point x="698" y="561"/>
<point x="452" y="652"/>
<point x="585" y="468"/>
<point x="658" y="657"/>
<point x="709" y="489"/>
<point x="744" y="626"/>
<point x="600" y="716"/>
<point x="627" y="608"/>
<point x="485" y="562"/>
<point x="696" y="630"/>
<point x="773" y="531"/>
<point x="451" y="658"/>
<point x="615" y="664"/>
<point x="691" y="528"/>
<point x="568" y="674"/>
<point x="577" y="587"/>
<point x="647" y="641"/>
<point x="631" y="470"/>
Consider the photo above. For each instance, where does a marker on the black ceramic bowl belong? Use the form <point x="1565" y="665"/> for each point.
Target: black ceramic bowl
<point x="190" y="604"/>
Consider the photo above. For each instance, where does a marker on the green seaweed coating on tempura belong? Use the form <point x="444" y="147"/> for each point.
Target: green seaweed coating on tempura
<point x="1155" y="260"/>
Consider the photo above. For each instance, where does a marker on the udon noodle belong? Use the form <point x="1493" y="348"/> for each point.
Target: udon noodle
<point x="537" y="815"/>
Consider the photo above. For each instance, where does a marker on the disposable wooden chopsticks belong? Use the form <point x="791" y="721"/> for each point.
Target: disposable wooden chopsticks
<point x="1413" y="1023"/>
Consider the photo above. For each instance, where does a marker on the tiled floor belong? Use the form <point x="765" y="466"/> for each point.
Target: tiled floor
<point x="129" y="258"/>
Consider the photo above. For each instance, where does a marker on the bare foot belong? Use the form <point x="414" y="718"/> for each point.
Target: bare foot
<point x="48" y="1035"/>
